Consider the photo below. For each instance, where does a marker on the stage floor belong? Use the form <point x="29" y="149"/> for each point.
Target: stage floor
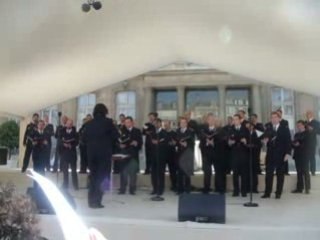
<point x="136" y="217"/>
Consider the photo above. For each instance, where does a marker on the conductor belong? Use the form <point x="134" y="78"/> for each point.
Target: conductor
<point x="99" y="136"/>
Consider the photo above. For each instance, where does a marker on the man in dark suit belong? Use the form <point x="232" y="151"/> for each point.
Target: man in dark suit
<point x="228" y="129"/>
<point x="70" y="140"/>
<point x="238" y="141"/>
<point x="160" y="141"/>
<point x="185" y="156"/>
<point x="40" y="141"/>
<point x="83" y="147"/>
<point x="171" y="154"/>
<point x="313" y="127"/>
<point x="130" y="144"/>
<point x="27" y="140"/>
<point x="99" y="136"/>
<point x="148" y="130"/>
<point x="56" y="163"/>
<point x="301" y="147"/>
<point x="278" y="142"/>
<point x="212" y="145"/>
<point x="257" y="127"/>
<point x="284" y="123"/>
<point x="48" y="129"/>
<point x="243" y="119"/>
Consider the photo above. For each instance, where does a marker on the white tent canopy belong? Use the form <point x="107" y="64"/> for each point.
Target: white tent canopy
<point x="51" y="51"/>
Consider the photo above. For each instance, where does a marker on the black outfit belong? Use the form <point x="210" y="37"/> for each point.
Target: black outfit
<point x="69" y="156"/>
<point x="40" y="142"/>
<point x="56" y="163"/>
<point x="158" y="166"/>
<point x="185" y="158"/>
<point x="99" y="136"/>
<point x="212" y="145"/>
<point x="171" y="159"/>
<point x="240" y="159"/>
<point x="83" y="151"/>
<point x="257" y="148"/>
<point x="279" y="144"/>
<point x="313" y="144"/>
<point x="228" y="156"/>
<point x="301" y="160"/>
<point x="254" y="146"/>
<point x="117" y="164"/>
<point x="129" y="167"/>
<point x="50" y="132"/>
<point x="148" y="131"/>
<point x="285" y="123"/>
<point x="27" y="141"/>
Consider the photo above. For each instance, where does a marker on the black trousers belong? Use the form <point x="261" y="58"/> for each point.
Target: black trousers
<point x="158" y="174"/>
<point x="38" y="157"/>
<point x="256" y="170"/>
<point x="209" y="160"/>
<point x="69" y="158"/>
<point x="48" y="158"/>
<point x="128" y="172"/>
<point x="149" y="155"/>
<point x="100" y="170"/>
<point x="277" y="165"/>
<point x="83" y="158"/>
<point x="240" y="169"/>
<point x="303" y="174"/>
<point x="184" y="181"/>
<point x="27" y="155"/>
<point x="172" y="166"/>
<point x="57" y="156"/>
<point x="313" y="160"/>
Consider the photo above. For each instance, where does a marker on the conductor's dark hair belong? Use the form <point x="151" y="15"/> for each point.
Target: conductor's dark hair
<point x="100" y="110"/>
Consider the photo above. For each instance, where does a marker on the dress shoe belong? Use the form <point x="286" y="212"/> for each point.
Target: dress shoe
<point x="235" y="194"/>
<point x="153" y="193"/>
<point x="265" y="196"/>
<point x="96" y="206"/>
<point x="244" y="195"/>
<point x="307" y="192"/>
<point x="132" y="192"/>
<point x="255" y="191"/>
<point x="296" y="191"/>
<point x="121" y="192"/>
<point x="278" y="196"/>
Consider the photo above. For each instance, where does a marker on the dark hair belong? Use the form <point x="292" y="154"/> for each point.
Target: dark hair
<point x="237" y="115"/>
<point x="279" y="110"/>
<point x="155" y="114"/>
<point x="122" y="115"/>
<point x="158" y="120"/>
<point x="301" y="122"/>
<point x="276" y="113"/>
<point x="35" y="115"/>
<point x="100" y="110"/>
<point x="129" y="118"/>
<point x="254" y="115"/>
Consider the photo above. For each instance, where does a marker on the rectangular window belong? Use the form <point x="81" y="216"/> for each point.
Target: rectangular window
<point x="126" y="103"/>
<point x="166" y="104"/>
<point x="200" y="102"/>
<point x="86" y="104"/>
<point x="237" y="99"/>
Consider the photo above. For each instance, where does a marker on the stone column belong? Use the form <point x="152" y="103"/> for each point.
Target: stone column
<point x="148" y="103"/>
<point x="181" y="100"/>
<point x="222" y="103"/>
<point x="256" y="100"/>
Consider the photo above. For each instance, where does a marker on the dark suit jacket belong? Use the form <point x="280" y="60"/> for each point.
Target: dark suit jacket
<point x="99" y="136"/>
<point x="128" y="137"/>
<point x="279" y="143"/>
<point x="30" y="130"/>
<point x="50" y="131"/>
<point x="301" y="151"/>
<point x="218" y="137"/>
<point x="148" y="130"/>
<point x="188" y="136"/>
<point x="313" y="133"/>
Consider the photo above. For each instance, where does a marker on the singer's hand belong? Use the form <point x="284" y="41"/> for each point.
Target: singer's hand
<point x="243" y="140"/>
<point x="183" y="144"/>
<point x="122" y="146"/>
<point x="286" y="157"/>
<point x="266" y="140"/>
<point x="155" y="142"/>
<point x="134" y="143"/>
<point x="231" y="142"/>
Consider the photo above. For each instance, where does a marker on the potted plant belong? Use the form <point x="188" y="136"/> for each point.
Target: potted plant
<point x="9" y="139"/>
<point x="18" y="220"/>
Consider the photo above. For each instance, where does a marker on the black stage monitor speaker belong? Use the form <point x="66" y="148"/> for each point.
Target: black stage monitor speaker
<point x="207" y="208"/>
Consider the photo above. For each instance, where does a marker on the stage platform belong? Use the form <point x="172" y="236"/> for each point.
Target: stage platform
<point x="136" y="217"/>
